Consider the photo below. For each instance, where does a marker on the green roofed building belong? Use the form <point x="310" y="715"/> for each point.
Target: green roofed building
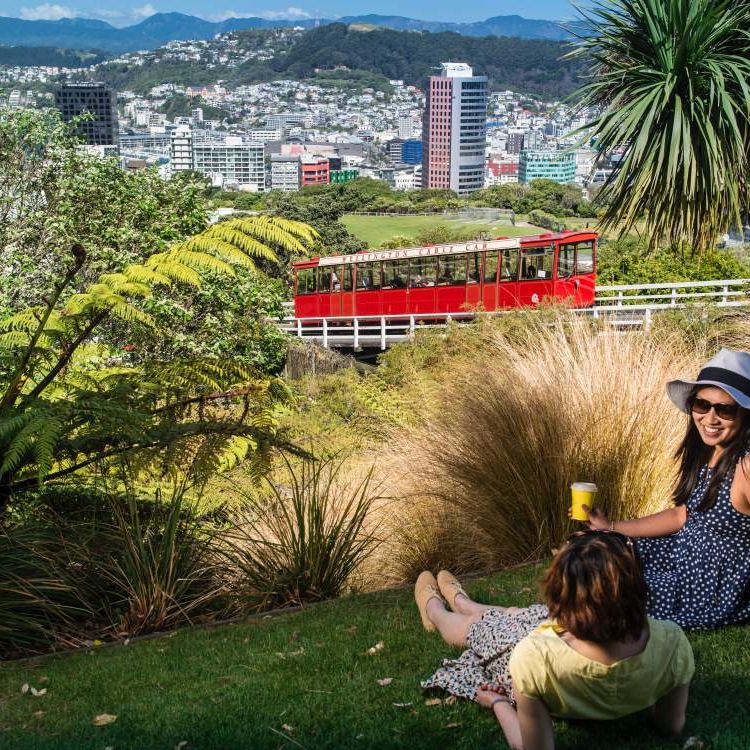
<point x="559" y="166"/>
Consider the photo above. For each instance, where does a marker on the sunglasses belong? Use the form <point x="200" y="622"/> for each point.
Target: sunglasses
<point x="723" y="411"/>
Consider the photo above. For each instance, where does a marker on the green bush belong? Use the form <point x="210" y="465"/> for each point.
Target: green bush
<point x="628" y="261"/>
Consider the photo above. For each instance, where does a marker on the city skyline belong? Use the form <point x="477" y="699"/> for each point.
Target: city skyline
<point x="119" y="13"/>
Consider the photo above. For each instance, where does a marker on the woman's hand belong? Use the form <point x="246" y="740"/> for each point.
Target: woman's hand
<point x="598" y="521"/>
<point x="488" y="694"/>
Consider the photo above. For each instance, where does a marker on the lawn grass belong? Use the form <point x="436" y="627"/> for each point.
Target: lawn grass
<point x="374" y="230"/>
<point x="305" y="680"/>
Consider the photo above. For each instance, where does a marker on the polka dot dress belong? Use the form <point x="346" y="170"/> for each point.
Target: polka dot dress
<point x="491" y="641"/>
<point x="700" y="576"/>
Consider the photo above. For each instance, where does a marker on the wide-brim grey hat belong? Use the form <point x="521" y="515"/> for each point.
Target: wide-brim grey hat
<point x="728" y="370"/>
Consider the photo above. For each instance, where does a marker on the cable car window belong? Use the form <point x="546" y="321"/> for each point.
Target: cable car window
<point x="422" y="272"/>
<point x="475" y="268"/>
<point x="325" y="279"/>
<point x="585" y="259"/>
<point x="509" y="265"/>
<point x="306" y="281"/>
<point x="536" y="262"/>
<point x="368" y="276"/>
<point x="348" y="278"/>
<point x="490" y="267"/>
<point x="566" y="261"/>
<point x="336" y="279"/>
<point x="451" y="270"/>
<point x="395" y="274"/>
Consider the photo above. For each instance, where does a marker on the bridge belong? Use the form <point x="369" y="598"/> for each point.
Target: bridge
<point x="625" y="306"/>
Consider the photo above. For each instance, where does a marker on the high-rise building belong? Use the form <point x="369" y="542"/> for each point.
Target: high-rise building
<point x="285" y="172"/>
<point x="181" y="149"/>
<point x="559" y="166"/>
<point x="455" y="129"/>
<point x="97" y="100"/>
<point x="395" y="150"/>
<point x="515" y="142"/>
<point x="411" y="153"/>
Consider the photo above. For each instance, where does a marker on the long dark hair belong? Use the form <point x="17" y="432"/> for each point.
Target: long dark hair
<point x="693" y="453"/>
<point x="594" y="588"/>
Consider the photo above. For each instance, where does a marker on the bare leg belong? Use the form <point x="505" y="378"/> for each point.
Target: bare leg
<point x="466" y="606"/>
<point x="453" y="626"/>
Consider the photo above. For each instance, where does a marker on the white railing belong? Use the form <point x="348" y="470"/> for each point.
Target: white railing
<point x="624" y="305"/>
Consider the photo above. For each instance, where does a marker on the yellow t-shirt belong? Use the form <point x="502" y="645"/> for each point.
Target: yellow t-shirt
<point x="573" y="686"/>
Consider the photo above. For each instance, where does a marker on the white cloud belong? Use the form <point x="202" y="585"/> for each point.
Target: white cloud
<point x="291" y="12"/>
<point x="47" y="12"/>
<point x="144" y="11"/>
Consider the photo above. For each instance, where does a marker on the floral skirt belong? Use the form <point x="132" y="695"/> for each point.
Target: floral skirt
<point x="491" y="641"/>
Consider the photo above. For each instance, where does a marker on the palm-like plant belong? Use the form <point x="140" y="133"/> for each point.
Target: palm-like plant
<point x="672" y="81"/>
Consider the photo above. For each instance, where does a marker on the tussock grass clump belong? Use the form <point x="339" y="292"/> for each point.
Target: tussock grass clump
<point x="306" y="542"/>
<point x="485" y="481"/>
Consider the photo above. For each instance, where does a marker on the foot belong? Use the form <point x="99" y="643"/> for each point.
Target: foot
<point x="451" y="589"/>
<point x="425" y="592"/>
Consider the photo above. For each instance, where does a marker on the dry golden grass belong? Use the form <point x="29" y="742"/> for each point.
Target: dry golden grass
<point x="485" y="481"/>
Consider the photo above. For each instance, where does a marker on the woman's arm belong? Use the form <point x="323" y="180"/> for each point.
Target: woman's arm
<point x="669" y="711"/>
<point x="658" y="524"/>
<point x="535" y="723"/>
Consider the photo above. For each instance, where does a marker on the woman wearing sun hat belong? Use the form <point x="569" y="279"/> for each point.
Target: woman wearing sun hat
<point x="696" y="555"/>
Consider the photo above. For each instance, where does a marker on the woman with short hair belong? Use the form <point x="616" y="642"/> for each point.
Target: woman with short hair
<point x="590" y="653"/>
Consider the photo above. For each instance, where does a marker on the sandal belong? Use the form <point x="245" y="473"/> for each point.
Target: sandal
<point x="450" y="587"/>
<point x="425" y="589"/>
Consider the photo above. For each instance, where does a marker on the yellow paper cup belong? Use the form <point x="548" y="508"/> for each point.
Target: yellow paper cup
<point x="583" y="493"/>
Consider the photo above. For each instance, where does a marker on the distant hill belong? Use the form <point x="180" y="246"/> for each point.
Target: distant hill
<point x="82" y="33"/>
<point x="52" y="56"/>
<point x="529" y="65"/>
<point x="363" y="57"/>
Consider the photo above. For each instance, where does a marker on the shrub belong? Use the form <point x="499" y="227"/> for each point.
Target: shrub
<point x="486" y="479"/>
<point x="38" y="602"/>
<point x="305" y="543"/>
<point x="161" y="572"/>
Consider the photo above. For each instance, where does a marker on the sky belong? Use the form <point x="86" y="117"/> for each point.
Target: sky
<point x="124" y="13"/>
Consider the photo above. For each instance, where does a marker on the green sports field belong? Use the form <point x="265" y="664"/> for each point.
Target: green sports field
<point x="375" y="230"/>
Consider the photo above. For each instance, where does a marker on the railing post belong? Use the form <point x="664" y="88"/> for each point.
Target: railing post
<point x="725" y="294"/>
<point x="674" y="297"/>
<point x="411" y="326"/>
<point x="356" y="334"/>
<point x="299" y="328"/>
<point x="647" y="319"/>
<point x="620" y="295"/>
<point x="382" y="333"/>
<point x="325" y="333"/>
<point x="595" y="313"/>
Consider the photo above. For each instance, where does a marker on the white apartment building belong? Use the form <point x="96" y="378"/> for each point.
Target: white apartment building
<point x="181" y="149"/>
<point x="232" y="163"/>
<point x="285" y="172"/>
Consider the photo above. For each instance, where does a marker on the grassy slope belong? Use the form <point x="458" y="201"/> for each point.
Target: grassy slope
<point x="377" y="229"/>
<point x="237" y="686"/>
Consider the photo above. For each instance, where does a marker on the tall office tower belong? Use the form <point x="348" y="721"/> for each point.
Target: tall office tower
<point x="99" y="100"/>
<point x="455" y="130"/>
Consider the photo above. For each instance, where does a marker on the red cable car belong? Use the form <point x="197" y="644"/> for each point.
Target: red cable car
<point x="479" y="275"/>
